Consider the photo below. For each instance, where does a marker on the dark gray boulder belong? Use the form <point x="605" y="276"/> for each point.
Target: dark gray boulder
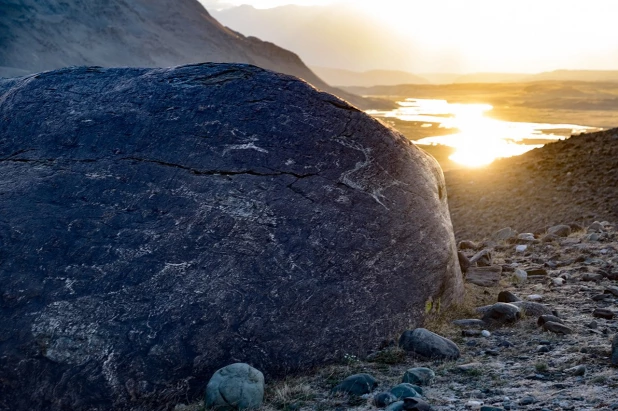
<point x="158" y="224"/>
<point x="404" y="390"/>
<point x="429" y="345"/>
<point x="418" y="376"/>
<point x="500" y="314"/>
<point x="357" y="384"/>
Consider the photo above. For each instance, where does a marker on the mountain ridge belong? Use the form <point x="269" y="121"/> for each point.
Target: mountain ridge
<point x="41" y="36"/>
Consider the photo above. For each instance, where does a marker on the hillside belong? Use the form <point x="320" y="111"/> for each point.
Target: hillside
<point x="334" y="35"/>
<point x="556" y="75"/>
<point x="44" y="35"/>
<point x="573" y="180"/>
<point x="346" y="78"/>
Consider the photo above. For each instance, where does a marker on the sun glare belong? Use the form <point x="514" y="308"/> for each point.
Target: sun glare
<point x="479" y="143"/>
<point x="477" y="139"/>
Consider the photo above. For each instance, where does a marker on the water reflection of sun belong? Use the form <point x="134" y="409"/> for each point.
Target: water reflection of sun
<point x="480" y="139"/>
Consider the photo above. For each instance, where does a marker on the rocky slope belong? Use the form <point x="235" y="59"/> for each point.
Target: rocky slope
<point x="573" y="180"/>
<point x="45" y="35"/>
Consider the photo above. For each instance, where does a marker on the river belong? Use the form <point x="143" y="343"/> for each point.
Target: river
<point x="477" y="139"/>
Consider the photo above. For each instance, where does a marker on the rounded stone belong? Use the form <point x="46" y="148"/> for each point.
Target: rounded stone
<point x="521" y="248"/>
<point x="546" y="318"/>
<point x="557" y="328"/>
<point x="603" y="313"/>
<point x="502" y="314"/>
<point x="520" y="276"/>
<point x="429" y="345"/>
<point x="507" y="297"/>
<point x="358" y="384"/>
<point x="384" y="399"/>
<point x="419" y="376"/>
<point x="561" y="230"/>
<point x="404" y="390"/>
<point x="505" y="234"/>
<point x="235" y="387"/>
<point x="415" y="404"/>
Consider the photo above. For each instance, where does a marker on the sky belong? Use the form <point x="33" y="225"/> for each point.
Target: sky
<point x="526" y="36"/>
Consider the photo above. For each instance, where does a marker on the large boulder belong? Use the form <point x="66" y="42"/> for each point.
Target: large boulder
<point x="158" y="224"/>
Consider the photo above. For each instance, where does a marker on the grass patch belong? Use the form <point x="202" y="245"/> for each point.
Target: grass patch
<point x="290" y="395"/>
<point x="474" y="296"/>
<point x="389" y="356"/>
<point x="541" y="367"/>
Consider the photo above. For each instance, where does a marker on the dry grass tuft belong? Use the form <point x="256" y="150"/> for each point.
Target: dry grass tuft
<point x="289" y="395"/>
<point x="474" y="296"/>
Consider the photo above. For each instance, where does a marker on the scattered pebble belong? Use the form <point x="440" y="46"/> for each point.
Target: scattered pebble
<point x="475" y="405"/>
<point x="520" y="276"/>
<point x="603" y="313"/>
<point x="578" y="370"/>
<point x="561" y="230"/>
<point x="546" y="318"/>
<point x="557" y="328"/>
<point x="507" y="297"/>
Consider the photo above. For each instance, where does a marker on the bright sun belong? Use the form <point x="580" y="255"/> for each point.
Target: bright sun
<point x="477" y="143"/>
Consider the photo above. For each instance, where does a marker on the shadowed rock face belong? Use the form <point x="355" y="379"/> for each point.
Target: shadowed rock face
<point x="159" y="224"/>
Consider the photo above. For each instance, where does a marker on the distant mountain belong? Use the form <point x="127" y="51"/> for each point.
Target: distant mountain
<point x="347" y="78"/>
<point x="492" y="78"/>
<point x="557" y="75"/>
<point x="440" y="78"/>
<point x="578" y="75"/>
<point x="325" y="36"/>
<point x="44" y="35"/>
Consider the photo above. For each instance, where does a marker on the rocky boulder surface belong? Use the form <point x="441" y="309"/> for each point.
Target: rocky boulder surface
<point x="158" y="224"/>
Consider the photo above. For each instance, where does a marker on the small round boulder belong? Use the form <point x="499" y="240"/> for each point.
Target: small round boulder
<point x="404" y="390"/>
<point x="384" y="399"/>
<point x="429" y="345"/>
<point x="419" y="376"/>
<point x="357" y="384"/>
<point x="502" y="313"/>
<point x="235" y="387"/>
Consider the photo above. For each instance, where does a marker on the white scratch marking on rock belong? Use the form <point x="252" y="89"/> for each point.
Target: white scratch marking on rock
<point x="247" y="146"/>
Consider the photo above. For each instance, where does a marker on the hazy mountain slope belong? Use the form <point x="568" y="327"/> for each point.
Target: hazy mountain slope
<point x="344" y="78"/>
<point x="556" y="75"/>
<point x="49" y="34"/>
<point x="491" y="78"/>
<point x="578" y="75"/>
<point x="326" y="36"/>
